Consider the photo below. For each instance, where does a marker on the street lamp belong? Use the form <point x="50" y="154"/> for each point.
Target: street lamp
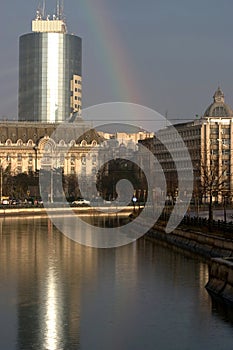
<point x="1" y="183"/>
<point x="1" y="180"/>
<point x="1" y="176"/>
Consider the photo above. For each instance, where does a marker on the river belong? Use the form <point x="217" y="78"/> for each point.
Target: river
<point x="58" y="295"/>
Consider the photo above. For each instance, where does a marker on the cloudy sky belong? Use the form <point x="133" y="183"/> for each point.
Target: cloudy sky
<point x="169" y="55"/>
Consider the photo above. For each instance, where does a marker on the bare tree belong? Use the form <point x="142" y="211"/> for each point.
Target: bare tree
<point x="214" y="180"/>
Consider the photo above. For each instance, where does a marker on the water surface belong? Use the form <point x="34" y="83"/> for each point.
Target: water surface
<point x="56" y="294"/>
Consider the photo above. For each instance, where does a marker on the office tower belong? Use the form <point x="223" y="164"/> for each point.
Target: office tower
<point x="50" y="70"/>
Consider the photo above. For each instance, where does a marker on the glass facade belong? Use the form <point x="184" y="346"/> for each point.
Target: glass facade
<point x="48" y="63"/>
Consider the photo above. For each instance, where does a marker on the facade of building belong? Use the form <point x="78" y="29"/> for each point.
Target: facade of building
<point x="28" y="147"/>
<point x="128" y="139"/>
<point x="22" y="147"/>
<point x="50" y="71"/>
<point x="209" y="141"/>
<point x="217" y="147"/>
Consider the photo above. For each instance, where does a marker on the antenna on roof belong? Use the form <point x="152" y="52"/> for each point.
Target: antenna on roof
<point x="60" y="9"/>
<point x="40" y="13"/>
<point x="43" y="9"/>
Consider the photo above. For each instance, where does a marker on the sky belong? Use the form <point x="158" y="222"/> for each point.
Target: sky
<point x="168" y="55"/>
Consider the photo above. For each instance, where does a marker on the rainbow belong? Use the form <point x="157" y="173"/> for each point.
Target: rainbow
<point x="114" y="55"/>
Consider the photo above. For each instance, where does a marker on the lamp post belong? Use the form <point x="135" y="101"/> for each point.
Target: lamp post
<point x="225" y="194"/>
<point x="51" y="185"/>
<point x="1" y="183"/>
<point x="224" y="207"/>
<point x="1" y="180"/>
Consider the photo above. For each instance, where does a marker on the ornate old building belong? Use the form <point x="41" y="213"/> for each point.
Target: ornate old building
<point x="209" y="141"/>
<point x="22" y="146"/>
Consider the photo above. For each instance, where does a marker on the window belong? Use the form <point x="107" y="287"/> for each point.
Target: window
<point x="47" y="148"/>
<point x="214" y="163"/>
<point x="219" y="112"/>
<point x="19" y="142"/>
<point x="214" y="131"/>
<point x="226" y="141"/>
<point x="83" y="160"/>
<point x="226" y="131"/>
<point x="62" y="158"/>
<point x="226" y="173"/>
<point x="83" y="143"/>
<point x="8" y="142"/>
<point x="94" y="159"/>
<point x="30" y="143"/>
<point x="19" y="157"/>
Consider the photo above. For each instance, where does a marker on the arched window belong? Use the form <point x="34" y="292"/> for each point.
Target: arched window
<point x="30" y="143"/>
<point x="62" y="143"/>
<point x="8" y="142"/>
<point x="19" y="142"/>
<point x="83" y="143"/>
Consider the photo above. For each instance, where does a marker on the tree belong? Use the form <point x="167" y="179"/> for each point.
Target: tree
<point x="71" y="187"/>
<point x="115" y="170"/>
<point x="214" y="181"/>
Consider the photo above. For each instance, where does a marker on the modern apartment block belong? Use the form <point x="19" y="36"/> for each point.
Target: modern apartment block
<point x="209" y="141"/>
<point x="50" y="71"/>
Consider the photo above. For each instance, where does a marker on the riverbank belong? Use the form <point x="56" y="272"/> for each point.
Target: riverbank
<point x="82" y="211"/>
<point x="206" y="245"/>
<point x="220" y="282"/>
<point x="31" y="211"/>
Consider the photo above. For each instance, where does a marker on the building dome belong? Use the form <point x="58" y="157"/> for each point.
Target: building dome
<point x="219" y="108"/>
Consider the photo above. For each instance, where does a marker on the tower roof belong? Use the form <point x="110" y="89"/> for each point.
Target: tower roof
<point x="49" y="24"/>
<point x="219" y="96"/>
<point x="219" y="108"/>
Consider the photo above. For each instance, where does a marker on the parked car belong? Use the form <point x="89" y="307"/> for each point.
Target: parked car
<point x="15" y="201"/>
<point x="81" y="202"/>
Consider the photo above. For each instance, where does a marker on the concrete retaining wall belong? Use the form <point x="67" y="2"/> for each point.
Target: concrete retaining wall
<point x="22" y="211"/>
<point x="221" y="278"/>
<point x="206" y="245"/>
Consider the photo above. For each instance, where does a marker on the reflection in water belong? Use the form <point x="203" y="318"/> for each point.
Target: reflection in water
<point x="53" y="329"/>
<point x="60" y="295"/>
<point x="222" y="309"/>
